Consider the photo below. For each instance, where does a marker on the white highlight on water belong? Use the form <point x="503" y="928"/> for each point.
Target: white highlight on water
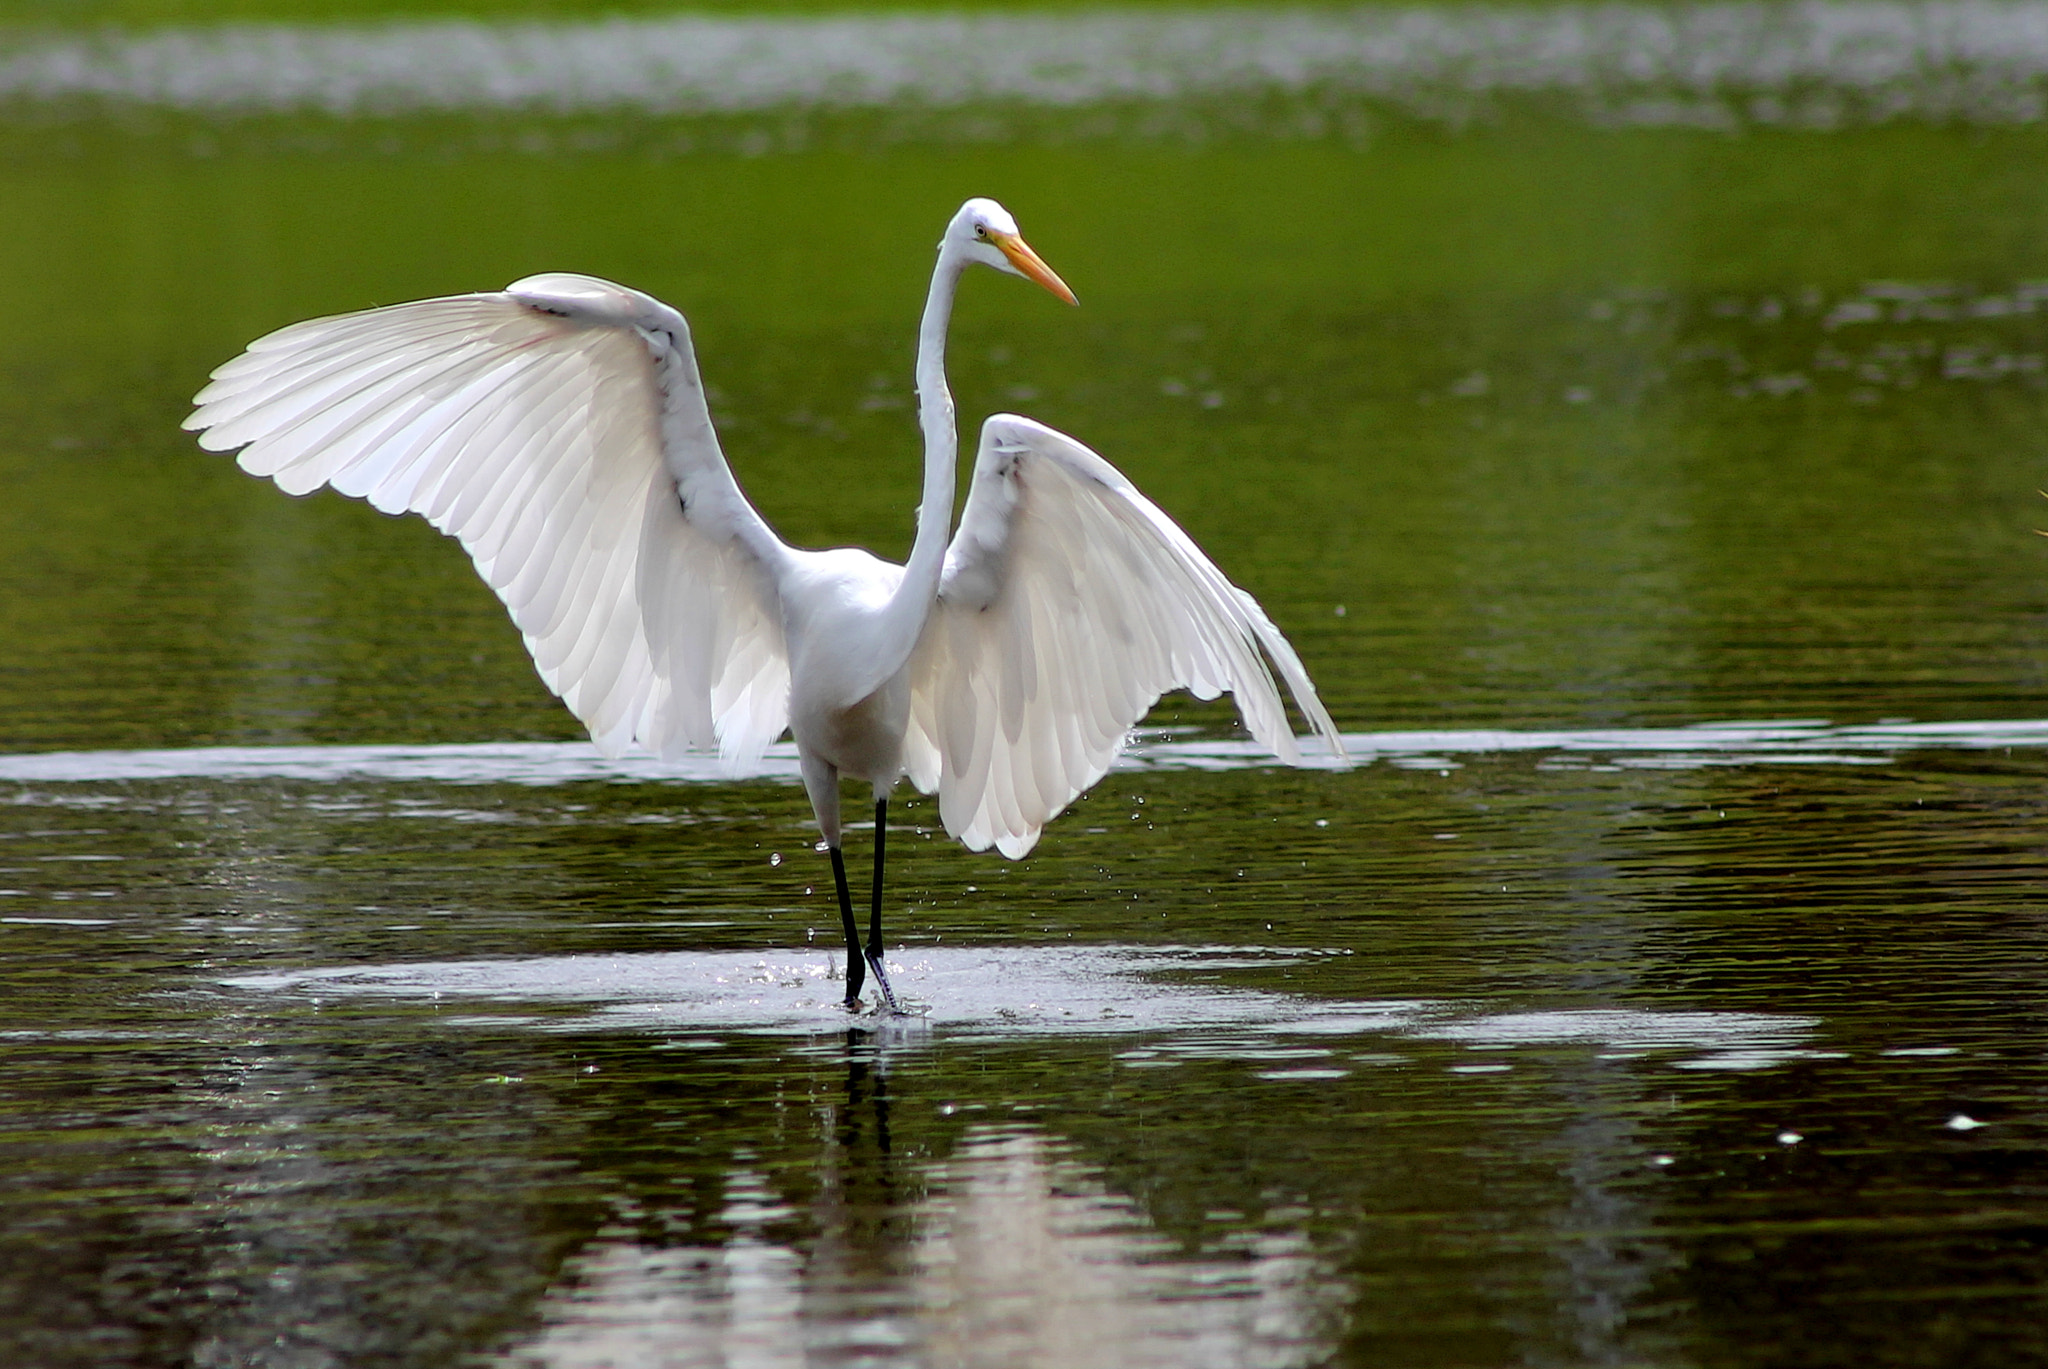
<point x="1814" y="62"/>
<point x="1789" y="742"/>
<point x="1007" y="992"/>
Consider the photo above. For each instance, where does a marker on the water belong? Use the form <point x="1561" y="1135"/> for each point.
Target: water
<point x="1642" y="450"/>
<point x="1822" y="62"/>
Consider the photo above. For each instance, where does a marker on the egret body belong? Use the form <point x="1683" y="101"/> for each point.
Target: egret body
<point x="558" y="430"/>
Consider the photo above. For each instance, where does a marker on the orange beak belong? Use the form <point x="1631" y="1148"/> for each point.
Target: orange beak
<point x="1024" y="259"/>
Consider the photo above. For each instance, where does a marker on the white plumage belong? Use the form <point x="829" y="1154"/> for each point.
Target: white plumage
<point x="558" y="430"/>
<point x="1068" y="605"/>
<point x="528" y="425"/>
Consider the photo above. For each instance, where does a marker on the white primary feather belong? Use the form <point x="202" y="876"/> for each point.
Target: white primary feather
<point x="1068" y="605"/>
<point x="557" y="430"/>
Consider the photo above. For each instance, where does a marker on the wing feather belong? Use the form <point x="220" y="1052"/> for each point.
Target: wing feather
<point x="311" y="423"/>
<point x="557" y="430"/>
<point x="442" y="435"/>
<point x="1068" y="605"/>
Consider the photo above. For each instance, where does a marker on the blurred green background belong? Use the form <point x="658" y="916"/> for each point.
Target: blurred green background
<point x="1489" y="390"/>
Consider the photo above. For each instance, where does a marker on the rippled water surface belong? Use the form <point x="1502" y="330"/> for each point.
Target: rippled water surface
<point x="1635" y="415"/>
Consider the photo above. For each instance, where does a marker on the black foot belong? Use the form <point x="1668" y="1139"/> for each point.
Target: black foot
<point x="882" y="981"/>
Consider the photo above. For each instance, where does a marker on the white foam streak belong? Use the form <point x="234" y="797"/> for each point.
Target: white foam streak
<point x="1817" y="62"/>
<point x="1797" y="742"/>
<point x="1006" y="992"/>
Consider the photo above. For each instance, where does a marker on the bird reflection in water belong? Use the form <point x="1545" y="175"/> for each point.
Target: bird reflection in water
<point x="1008" y="1253"/>
<point x="859" y="1206"/>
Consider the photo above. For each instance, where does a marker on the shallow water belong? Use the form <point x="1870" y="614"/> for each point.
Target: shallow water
<point x="1644" y="458"/>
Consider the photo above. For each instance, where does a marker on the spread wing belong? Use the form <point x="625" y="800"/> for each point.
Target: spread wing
<point x="558" y="430"/>
<point x="1068" y="605"/>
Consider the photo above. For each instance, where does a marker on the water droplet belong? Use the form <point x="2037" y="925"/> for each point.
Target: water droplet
<point x="775" y="858"/>
<point x="1789" y="1138"/>
<point x="1962" y="1121"/>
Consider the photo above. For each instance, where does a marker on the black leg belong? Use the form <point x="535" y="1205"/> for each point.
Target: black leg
<point x="875" y="913"/>
<point x="856" y="969"/>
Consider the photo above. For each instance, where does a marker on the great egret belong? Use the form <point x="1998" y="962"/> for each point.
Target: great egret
<point x="558" y="430"/>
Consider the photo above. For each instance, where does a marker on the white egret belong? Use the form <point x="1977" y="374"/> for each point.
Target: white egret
<point x="558" y="430"/>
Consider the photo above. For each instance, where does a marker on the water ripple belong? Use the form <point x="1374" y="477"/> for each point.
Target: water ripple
<point x="1791" y="742"/>
<point x="1010" y="992"/>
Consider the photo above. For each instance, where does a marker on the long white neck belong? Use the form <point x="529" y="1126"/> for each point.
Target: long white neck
<point x="902" y="619"/>
<point x="941" y="443"/>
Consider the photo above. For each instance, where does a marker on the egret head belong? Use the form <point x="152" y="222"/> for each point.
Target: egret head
<point x="983" y="231"/>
